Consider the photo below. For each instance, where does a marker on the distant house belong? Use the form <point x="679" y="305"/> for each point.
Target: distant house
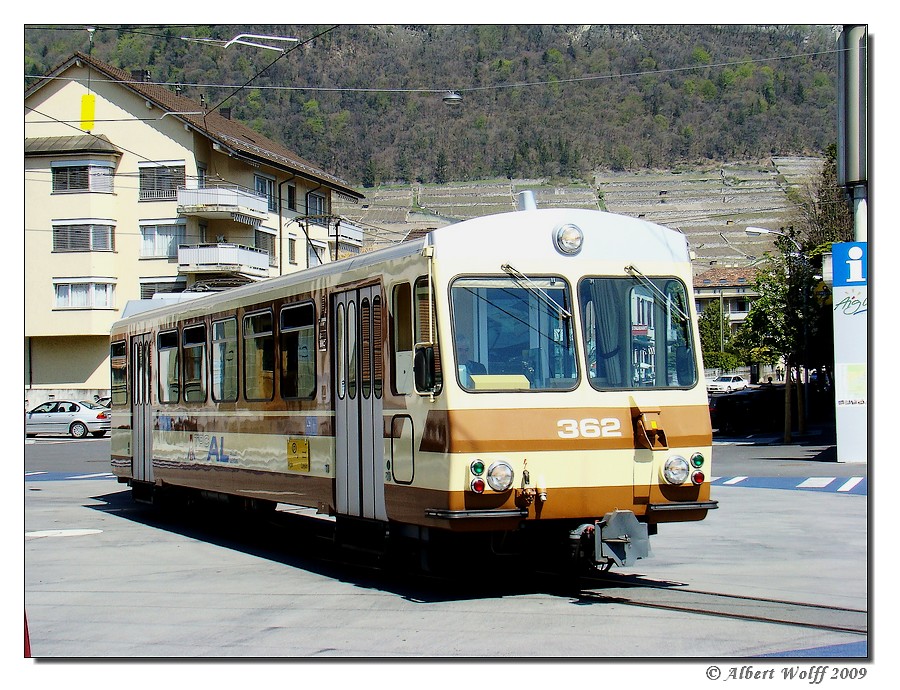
<point x="732" y="288"/>
<point x="132" y="190"/>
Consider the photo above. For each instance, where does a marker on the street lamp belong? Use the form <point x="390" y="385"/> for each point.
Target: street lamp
<point x="452" y="98"/>
<point x="765" y="231"/>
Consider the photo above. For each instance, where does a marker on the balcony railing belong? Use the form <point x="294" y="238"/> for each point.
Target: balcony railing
<point x="222" y="201"/>
<point x="223" y="258"/>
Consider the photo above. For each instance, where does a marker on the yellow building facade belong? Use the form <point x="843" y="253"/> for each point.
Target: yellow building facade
<point x="132" y="190"/>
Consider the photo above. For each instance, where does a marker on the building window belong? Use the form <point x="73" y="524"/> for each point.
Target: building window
<point x="160" y="182"/>
<point x="312" y="256"/>
<point x="84" y="295"/>
<point x="153" y="286"/>
<point x="266" y="241"/>
<point x="315" y="208"/>
<point x="82" y="176"/>
<point x="265" y="186"/>
<point x="292" y="249"/>
<point x="292" y="197"/>
<point x="84" y="237"/>
<point x="162" y="240"/>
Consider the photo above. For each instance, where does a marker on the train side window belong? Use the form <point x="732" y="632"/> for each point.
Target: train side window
<point x="193" y="349"/>
<point x="259" y="356"/>
<point x="167" y="345"/>
<point x="426" y="327"/>
<point x="352" y="364"/>
<point x="298" y="351"/>
<point x="224" y="361"/>
<point x="402" y="339"/>
<point x="340" y="354"/>
<point x="118" y="364"/>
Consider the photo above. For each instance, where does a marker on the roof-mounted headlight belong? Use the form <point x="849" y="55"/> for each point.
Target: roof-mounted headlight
<point x="568" y="239"/>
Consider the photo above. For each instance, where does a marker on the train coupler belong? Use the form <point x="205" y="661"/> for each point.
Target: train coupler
<point x="616" y="539"/>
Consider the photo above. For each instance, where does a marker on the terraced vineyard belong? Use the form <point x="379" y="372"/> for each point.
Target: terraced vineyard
<point x="712" y="206"/>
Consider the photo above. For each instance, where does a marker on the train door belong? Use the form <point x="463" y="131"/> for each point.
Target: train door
<point x="359" y="381"/>
<point x="141" y="410"/>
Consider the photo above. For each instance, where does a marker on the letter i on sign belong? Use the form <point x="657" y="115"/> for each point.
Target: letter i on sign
<point x="855" y="265"/>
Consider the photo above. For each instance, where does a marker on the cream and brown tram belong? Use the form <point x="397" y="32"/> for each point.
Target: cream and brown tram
<point x="531" y="378"/>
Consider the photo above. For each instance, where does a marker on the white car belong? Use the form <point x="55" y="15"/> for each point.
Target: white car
<point x="726" y="384"/>
<point x="77" y="419"/>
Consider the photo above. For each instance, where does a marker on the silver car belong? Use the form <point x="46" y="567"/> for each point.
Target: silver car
<point x="77" y="419"/>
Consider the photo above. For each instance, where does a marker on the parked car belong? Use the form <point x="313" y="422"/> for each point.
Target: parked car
<point x="726" y="384"/>
<point x="77" y="419"/>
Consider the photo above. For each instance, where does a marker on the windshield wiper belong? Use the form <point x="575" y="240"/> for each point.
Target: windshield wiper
<point x="529" y="283"/>
<point x="666" y="299"/>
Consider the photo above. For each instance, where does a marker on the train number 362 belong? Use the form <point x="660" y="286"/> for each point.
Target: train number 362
<point x="589" y="428"/>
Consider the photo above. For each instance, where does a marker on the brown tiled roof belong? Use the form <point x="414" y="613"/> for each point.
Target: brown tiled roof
<point x="222" y="130"/>
<point x="725" y="276"/>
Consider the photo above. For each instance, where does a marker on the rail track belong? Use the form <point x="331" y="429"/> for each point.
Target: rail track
<point x="630" y="591"/>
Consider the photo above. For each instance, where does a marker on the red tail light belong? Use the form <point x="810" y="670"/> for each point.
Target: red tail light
<point x="103" y="415"/>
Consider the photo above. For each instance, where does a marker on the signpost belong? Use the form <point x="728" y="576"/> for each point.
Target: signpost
<point x="850" y="271"/>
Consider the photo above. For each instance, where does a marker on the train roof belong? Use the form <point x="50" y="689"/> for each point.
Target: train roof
<point x="525" y="234"/>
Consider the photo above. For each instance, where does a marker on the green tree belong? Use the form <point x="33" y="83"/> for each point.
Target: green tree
<point x="784" y="319"/>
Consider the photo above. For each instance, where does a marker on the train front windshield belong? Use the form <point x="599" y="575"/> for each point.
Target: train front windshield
<point x="513" y="334"/>
<point x="517" y="333"/>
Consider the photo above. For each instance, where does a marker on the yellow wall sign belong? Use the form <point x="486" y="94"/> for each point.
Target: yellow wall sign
<point x="298" y="454"/>
<point x="87" y="112"/>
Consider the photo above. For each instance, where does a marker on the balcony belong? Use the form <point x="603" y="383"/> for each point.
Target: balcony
<point x="223" y="258"/>
<point x="223" y="202"/>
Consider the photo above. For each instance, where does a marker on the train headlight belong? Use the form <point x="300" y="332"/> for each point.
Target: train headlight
<point x="676" y="469"/>
<point x="500" y="476"/>
<point x="568" y="238"/>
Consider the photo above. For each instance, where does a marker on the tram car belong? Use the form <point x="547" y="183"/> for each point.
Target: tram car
<point x="527" y="380"/>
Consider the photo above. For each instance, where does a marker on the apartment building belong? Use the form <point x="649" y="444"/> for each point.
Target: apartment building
<point x="133" y="190"/>
<point x="732" y="288"/>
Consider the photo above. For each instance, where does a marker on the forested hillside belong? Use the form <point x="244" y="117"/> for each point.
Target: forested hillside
<point x="365" y="102"/>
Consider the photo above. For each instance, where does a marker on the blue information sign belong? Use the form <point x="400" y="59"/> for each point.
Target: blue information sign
<point x="850" y="264"/>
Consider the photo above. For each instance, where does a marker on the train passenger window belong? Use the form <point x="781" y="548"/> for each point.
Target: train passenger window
<point x="513" y="334"/>
<point x="351" y="350"/>
<point x="224" y="361"/>
<point x="402" y="339"/>
<point x="118" y="364"/>
<point x="259" y="356"/>
<point x="340" y="353"/>
<point x="426" y="327"/>
<point x="636" y="333"/>
<point x="193" y="349"/>
<point x="298" y="351"/>
<point x="167" y="345"/>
